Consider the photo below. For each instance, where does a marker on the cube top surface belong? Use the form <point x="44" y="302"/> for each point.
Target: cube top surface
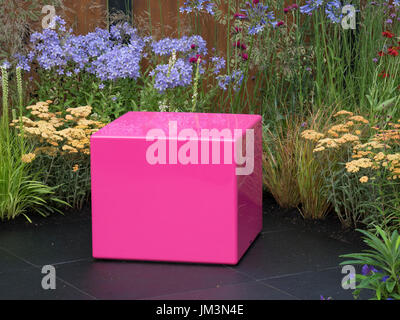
<point x="138" y="124"/>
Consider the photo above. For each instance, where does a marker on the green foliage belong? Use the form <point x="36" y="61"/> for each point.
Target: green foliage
<point x="20" y="190"/>
<point x="72" y="186"/>
<point x="381" y="265"/>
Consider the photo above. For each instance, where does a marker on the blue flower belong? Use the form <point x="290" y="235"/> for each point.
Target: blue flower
<point x="6" y="65"/>
<point x="333" y="11"/>
<point x="219" y="63"/>
<point x="180" y="75"/>
<point x="183" y="45"/>
<point x="258" y="16"/>
<point x="367" y="270"/>
<point x="198" y="5"/>
<point x="311" y="6"/>
<point x="236" y="78"/>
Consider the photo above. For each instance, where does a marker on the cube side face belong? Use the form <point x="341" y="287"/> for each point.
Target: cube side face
<point x="171" y="212"/>
<point x="249" y="189"/>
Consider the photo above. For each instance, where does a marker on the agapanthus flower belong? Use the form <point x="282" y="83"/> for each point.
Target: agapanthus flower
<point x="180" y="75"/>
<point x="185" y="45"/>
<point x="198" y="5"/>
<point x="121" y="62"/>
<point x="258" y="16"/>
<point x="219" y="64"/>
<point x="236" y="79"/>
<point x="310" y="6"/>
<point x="97" y="52"/>
<point x="333" y="11"/>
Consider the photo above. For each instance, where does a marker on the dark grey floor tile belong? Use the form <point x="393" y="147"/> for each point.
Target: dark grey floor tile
<point x="311" y="285"/>
<point x="137" y="280"/>
<point x="290" y="252"/>
<point x="242" y="291"/>
<point x="49" y="243"/>
<point x="26" y="285"/>
<point x="8" y="262"/>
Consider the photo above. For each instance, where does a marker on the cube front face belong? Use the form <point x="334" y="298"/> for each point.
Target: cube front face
<point x="169" y="212"/>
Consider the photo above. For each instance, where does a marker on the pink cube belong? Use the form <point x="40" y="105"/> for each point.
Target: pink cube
<point x="179" y="187"/>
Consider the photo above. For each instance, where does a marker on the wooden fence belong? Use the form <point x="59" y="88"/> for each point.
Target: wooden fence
<point x="158" y="17"/>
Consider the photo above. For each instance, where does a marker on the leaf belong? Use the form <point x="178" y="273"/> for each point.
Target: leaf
<point x="390" y="284"/>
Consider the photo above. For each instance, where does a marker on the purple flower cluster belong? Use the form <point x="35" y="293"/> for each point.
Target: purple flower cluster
<point x="258" y="16"/>
<point x="187" y="45"/>
<point x="167" y="77"/>
<point x="333" y="11"/>
<point x="219" y="64"/>
<point x="310" y="6"/>
<point x="198" y="5"/>
<point x="236" y="79"/>
<point x="107" y="54"/>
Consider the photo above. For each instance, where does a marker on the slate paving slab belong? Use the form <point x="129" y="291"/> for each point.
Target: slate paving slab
<point x="287" y="261"/>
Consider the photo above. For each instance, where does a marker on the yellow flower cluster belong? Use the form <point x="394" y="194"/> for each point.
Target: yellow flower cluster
<point x="58" y="135"/>
<point x="28" y="158"/>
<point x="379" y="152"/>
<point x="337" y="135"/>
<point x="312" y="135"/>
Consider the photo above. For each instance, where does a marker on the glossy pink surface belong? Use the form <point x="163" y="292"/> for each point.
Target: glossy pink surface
<point x="202" y="213"/>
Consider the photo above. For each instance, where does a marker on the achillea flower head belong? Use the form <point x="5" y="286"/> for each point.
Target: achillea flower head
<point x="312" y="135"/>
<point x="28" y="158"/>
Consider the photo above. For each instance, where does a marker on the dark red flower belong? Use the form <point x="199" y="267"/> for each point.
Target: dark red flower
<point x="240" y="16"/>
<point x="238" y="30"/>
<point x="383" y="74"/>
<point x="193" y="46"/>
<point x="393" y="52"/>
<point x="245" y="56"/>
<point x="280" y="23"/>
<point x="387" y="34"/>
<point x="195" y="59"/>
<point x="243" y="46"/>
<point x="381" y="53"/>
<point x="293" y="6"/>
<point x="256" y="1"/>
